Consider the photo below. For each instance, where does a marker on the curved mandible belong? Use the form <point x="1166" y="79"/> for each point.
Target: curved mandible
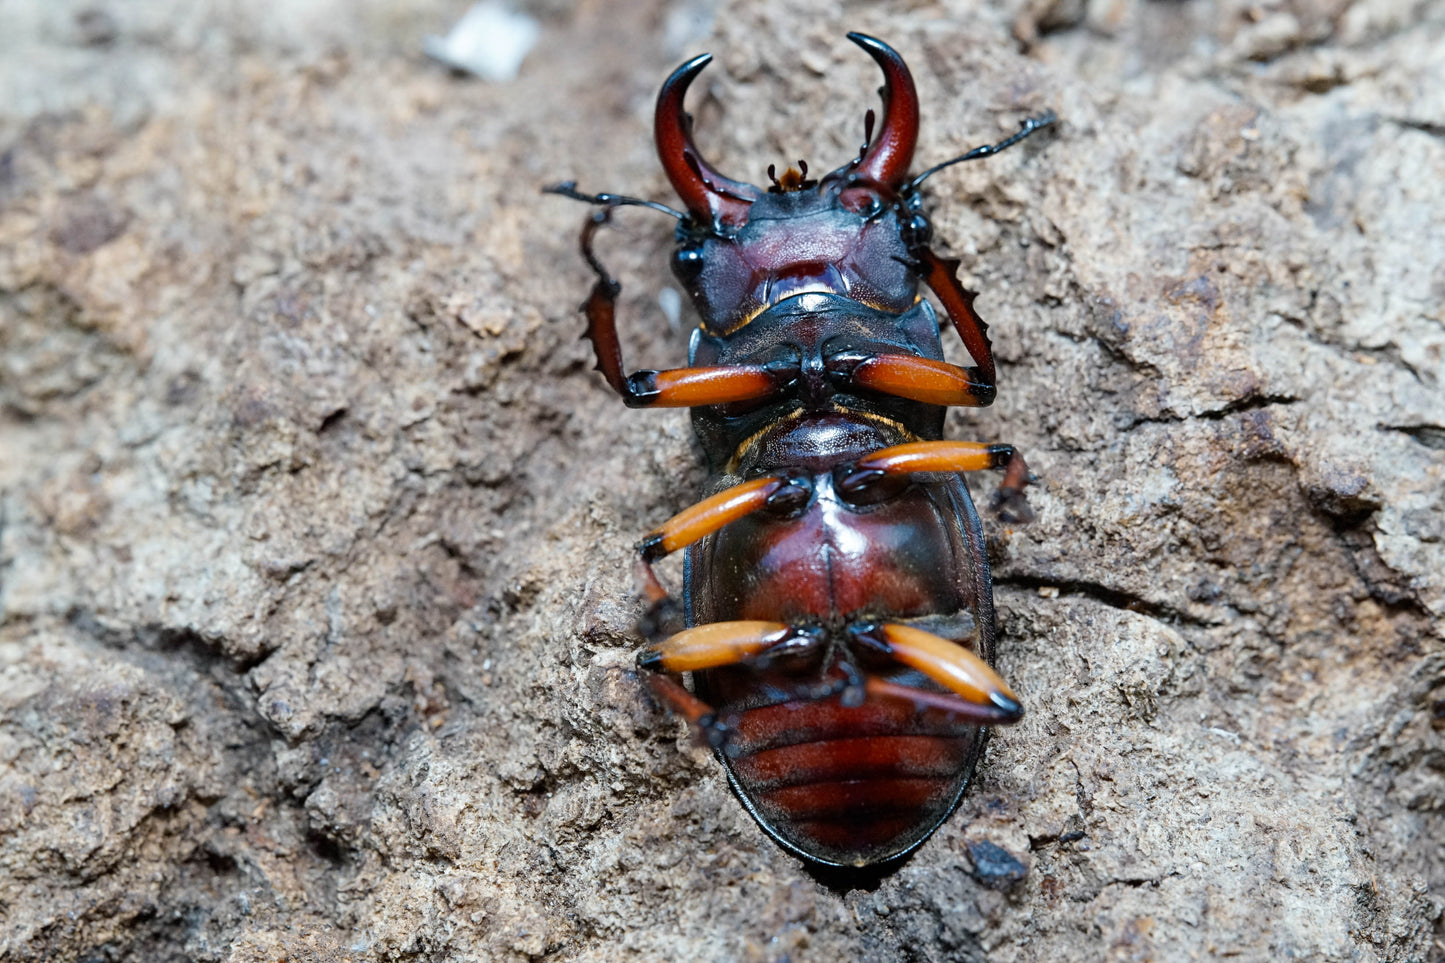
<point x="885" y="159"/>
<point x="710" y="197"/>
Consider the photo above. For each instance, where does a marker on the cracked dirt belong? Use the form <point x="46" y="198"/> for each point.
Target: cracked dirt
<point x="314" y="594"/>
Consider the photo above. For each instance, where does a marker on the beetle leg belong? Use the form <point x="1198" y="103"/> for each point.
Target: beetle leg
<point x="712" y="646"/>
<point x="780" y="493"/>
<point x="944" y="456"/>
<point x="715" y="644"/>
<point x="917" y="379"/>
<point x="698" y="713"/>
<point x="940" y="274"/>
<point x="675" y="388"/>
<point x="715" y="385"/>
<point x="960" y="626"/>
<point x="990" y="715"/>
<point x="707" y="516"/>
<point x="978" y="687"/>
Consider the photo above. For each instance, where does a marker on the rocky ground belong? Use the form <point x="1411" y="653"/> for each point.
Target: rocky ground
<point x="314" y="590"/>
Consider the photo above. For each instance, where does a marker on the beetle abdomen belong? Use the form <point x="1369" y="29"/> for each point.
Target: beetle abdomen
<point x="846" y="785"/>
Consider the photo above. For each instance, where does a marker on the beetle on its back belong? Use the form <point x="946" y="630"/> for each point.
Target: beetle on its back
<point x="839" y="616"/>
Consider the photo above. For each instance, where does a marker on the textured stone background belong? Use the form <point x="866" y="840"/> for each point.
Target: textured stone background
<point x="314" y="600"/>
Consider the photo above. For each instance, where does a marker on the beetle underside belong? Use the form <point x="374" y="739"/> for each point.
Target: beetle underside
<point x="837" y="618"/>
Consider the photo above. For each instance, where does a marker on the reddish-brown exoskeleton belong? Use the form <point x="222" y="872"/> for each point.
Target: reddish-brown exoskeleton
<point x="839" y="616"/>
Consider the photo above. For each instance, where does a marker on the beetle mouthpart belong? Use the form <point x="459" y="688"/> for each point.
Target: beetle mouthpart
<point x="710" y="197"/>
<point x="885" y="159"/>
<point x="793" y="179"/>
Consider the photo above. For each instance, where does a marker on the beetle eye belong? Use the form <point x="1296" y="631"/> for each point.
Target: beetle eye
<point x="687" y="264"/>
<point x="916" y="231"/>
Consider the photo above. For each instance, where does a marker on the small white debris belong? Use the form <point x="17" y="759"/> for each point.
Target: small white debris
<point x="491" y="40"/>
<point x="1223" y="734"/>
<point x="671" y="303"/>
<point x="1048" y="591"/>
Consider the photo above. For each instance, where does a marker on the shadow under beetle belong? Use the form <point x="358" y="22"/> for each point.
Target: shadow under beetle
<point x="838" y="610"/>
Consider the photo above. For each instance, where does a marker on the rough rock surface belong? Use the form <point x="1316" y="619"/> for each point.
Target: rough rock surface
<point x="314" y="595"/>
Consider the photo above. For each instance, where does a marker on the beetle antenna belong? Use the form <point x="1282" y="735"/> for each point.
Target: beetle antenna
<point x="569" y="189"/>
<point x="1026" y="127"/>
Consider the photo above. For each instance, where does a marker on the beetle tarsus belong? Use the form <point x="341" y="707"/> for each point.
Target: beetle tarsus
<point x="1012" y="506"/>
<point x="1009" y="503"/>
<point x="714" y="733"/>
<point x="660" y="619"/>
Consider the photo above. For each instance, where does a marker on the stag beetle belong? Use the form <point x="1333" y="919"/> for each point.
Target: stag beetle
<point x="838" y="619"/>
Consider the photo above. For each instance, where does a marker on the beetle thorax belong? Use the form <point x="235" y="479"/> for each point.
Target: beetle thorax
<point x="793" y="243"/>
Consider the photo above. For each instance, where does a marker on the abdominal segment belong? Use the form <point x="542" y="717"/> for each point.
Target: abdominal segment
<point x="839" y="784"/>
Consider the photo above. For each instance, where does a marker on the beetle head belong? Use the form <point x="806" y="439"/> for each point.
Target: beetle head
<point x="742" y="249"/>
